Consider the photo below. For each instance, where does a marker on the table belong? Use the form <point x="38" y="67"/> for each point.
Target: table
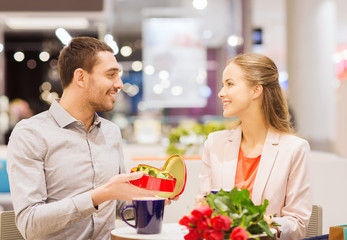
<point x="170" y="231"/>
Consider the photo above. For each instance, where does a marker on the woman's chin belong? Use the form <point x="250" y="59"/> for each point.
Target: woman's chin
<point x="227" y="114"/>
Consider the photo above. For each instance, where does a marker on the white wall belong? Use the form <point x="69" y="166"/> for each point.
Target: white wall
<point x="329" y="190"/>
<point x="317" y="120"/>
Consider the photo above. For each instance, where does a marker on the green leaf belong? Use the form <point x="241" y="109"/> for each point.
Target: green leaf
<point x="255" y="229"/>
<point x="263" y="224"/>
<point x="221" y="206"/>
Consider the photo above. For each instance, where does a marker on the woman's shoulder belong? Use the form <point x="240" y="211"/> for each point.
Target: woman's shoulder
<point x="219" y="137"/>
<point x="293" y="140"/>
<point x="222" y="133"/>
<point x="292" y="137"/>
<point x="219" y="133"/>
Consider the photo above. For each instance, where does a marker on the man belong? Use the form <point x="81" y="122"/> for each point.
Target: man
<point x="65" y="164"/>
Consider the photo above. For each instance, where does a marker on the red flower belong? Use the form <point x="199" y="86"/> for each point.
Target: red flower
<point x="187" y="221"/>
<point x="238" y="233"/>
<point x="213" y="235"/>
<point x="193" y="234"/>
<point x="202" y="211"/>
<point x="221" y="223"/>
<point x="203" y="224"/>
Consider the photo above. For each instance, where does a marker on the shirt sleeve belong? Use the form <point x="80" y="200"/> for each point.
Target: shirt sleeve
<point x="128" y="214"/>
<point x="297" y="208"/>
<point x="34" y="216"/>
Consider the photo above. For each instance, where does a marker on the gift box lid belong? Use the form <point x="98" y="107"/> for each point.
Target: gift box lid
<point x="177" y="167"/>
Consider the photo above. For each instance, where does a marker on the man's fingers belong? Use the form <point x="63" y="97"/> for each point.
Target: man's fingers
<point x="135" y="175"/>
<point x="131" y="176"/>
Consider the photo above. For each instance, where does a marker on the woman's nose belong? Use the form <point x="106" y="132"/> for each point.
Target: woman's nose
<point x="221" y="93"/>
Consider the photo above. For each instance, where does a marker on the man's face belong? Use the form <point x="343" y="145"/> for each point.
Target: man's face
<point x="103" y="83"/>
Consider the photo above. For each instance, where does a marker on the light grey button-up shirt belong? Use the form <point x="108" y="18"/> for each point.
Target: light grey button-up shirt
<point x="53" y="164"/>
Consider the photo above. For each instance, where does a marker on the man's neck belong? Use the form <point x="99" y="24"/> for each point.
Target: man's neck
<point x="77" y="110"/>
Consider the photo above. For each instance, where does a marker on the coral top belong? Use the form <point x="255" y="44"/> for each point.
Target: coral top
<point x="246" y="171"/>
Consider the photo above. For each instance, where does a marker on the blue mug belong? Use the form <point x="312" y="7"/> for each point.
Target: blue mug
<point x="215" y="190"/>
<point x="149" y="212"/>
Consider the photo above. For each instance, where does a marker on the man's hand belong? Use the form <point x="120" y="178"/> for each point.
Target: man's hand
<point x="119" y="188"/>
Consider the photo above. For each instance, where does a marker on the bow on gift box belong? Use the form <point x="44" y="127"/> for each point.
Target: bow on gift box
<point x="228" y="215"/>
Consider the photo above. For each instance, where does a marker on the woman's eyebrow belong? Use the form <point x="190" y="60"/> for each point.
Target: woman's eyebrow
<point x="227" y="80"/>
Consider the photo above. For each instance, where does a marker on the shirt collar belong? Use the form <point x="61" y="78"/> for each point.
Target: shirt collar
<point x="63" y="118"/>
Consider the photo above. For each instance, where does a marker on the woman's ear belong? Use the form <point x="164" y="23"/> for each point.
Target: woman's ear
<point x="79" y="77"/>
<point x="257" y="91"/>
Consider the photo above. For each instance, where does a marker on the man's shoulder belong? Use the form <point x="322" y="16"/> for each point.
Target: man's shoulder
<point x="36" y="120"/>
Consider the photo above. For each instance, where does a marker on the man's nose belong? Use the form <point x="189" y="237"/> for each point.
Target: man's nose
<point x="119" y="83"/>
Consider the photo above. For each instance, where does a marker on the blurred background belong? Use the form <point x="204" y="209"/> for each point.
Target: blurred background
<point x="172" y="54"/>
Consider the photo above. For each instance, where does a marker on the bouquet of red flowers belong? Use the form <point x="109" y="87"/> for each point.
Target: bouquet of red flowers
<point x="228" y="215"/>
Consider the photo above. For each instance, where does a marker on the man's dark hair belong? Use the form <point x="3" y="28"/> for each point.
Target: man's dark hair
<point x="80" y="53"/>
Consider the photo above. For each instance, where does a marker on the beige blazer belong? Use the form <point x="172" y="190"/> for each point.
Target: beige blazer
<point x="282" y="178"/>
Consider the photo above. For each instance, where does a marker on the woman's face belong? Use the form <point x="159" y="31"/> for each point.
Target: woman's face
<point x="236" y="94"/>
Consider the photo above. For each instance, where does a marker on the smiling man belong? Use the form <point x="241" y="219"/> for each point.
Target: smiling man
<point x="65" y="165"/>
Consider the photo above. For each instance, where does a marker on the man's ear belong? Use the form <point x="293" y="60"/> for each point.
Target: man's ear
<point x="257" y="90"/>
<point x="79" y="77"/>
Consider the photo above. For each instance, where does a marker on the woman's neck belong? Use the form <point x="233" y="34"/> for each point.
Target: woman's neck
<point x="254" y="132"/>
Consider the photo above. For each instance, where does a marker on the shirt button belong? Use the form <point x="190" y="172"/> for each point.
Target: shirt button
<point x="94" y="214"/>
<point x="79" y="123"/>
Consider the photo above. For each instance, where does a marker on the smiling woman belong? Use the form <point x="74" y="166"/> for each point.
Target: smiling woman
<point x="262" y="154"/>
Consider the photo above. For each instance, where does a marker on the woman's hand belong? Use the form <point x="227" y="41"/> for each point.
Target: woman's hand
<point x="200" y="200"/>
<point x="168" y="200"/>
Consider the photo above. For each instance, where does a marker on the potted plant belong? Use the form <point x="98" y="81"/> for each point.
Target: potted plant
<point x="189" y="139"/>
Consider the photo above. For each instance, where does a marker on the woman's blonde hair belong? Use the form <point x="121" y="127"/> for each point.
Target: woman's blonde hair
<point x="260" y="70"/>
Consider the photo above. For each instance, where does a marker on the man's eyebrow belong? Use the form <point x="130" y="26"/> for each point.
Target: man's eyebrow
<point x="113" y="70"/>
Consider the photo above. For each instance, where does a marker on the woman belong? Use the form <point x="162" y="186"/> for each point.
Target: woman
<point x="262" y="154"/>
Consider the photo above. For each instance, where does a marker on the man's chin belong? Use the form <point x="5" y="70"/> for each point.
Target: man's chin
<point x="104" y="109"/>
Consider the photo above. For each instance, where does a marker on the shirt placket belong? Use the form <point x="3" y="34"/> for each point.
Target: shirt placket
<point x="93" y="162"/>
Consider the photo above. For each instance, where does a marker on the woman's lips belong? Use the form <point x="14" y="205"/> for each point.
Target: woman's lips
<point x="226" y="104"/>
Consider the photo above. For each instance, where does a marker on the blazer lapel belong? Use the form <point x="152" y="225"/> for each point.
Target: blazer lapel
<point x="231" y="153"/>
<point x="267" y="160"/>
